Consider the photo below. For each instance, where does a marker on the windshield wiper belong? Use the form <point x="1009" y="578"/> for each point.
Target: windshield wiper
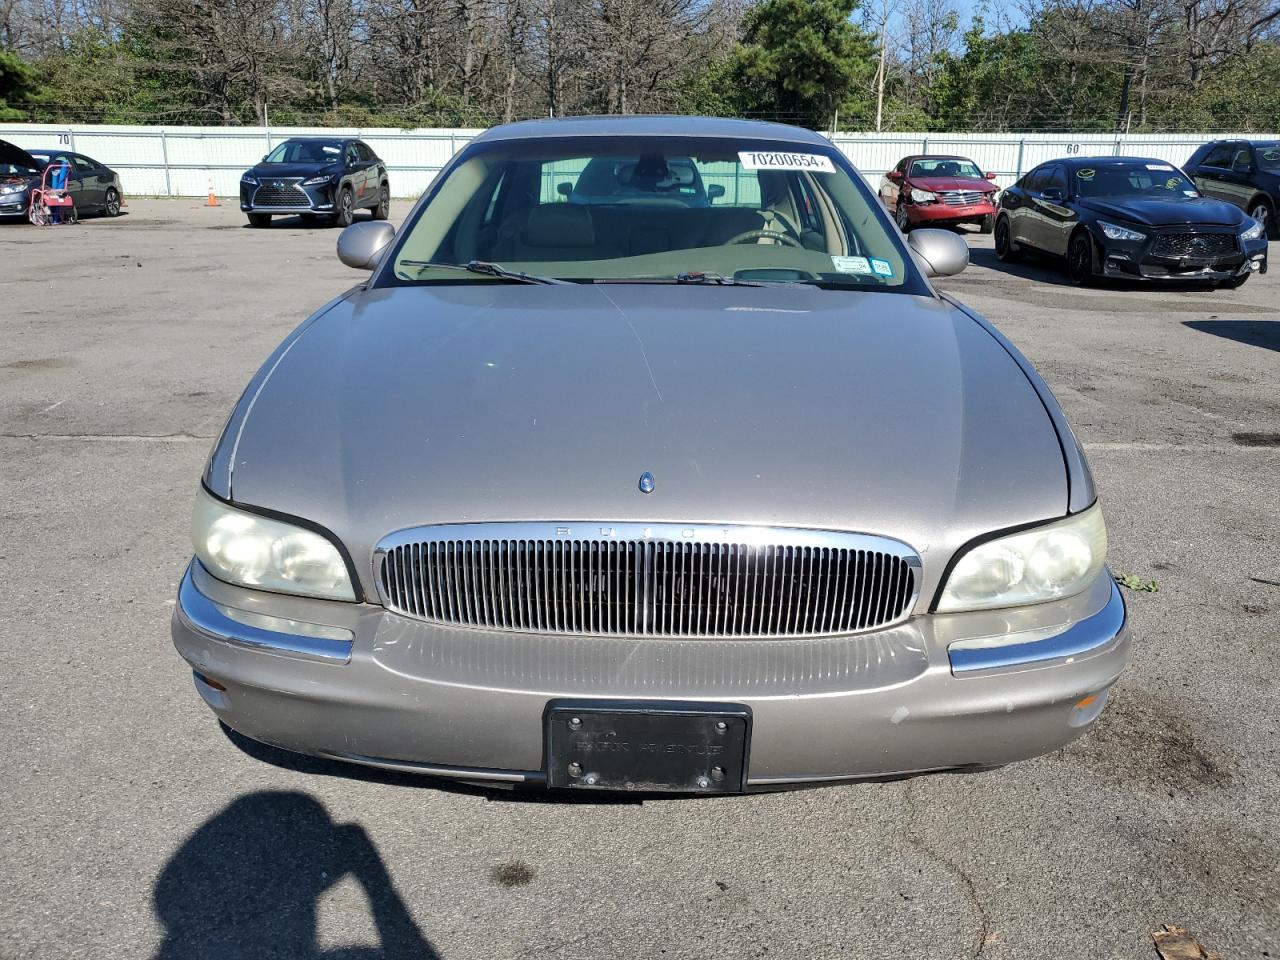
<point x="487" y="269"/>
<point x="716" y="278"/>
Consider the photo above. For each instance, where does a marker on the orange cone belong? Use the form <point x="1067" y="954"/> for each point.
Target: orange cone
<point x="212" y="201"/>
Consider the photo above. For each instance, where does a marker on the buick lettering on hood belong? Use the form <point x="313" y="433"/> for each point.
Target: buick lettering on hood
<point x="699" y="487"/>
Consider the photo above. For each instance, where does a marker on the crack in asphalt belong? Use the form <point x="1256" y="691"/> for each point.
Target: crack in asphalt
<point x="915" y="837"/>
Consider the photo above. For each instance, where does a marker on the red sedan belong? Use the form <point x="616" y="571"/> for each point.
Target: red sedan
<point x="935" y="191"/>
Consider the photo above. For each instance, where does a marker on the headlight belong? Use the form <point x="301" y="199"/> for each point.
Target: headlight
<point x="316" y="181"/>
<point x="1253" y="232"/>
<point x="253" y="551"/>
<point x="251" y="181"/>
<point x="923" y="196"/>
<point x="1112" y="232"/>
<point x="13" y="188"/>
<point x="1045" y="563"/>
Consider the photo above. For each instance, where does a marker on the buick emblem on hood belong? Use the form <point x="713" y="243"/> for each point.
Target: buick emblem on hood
<point x="646" y="482"/>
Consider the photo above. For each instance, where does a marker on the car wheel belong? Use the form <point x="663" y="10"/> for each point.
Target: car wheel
<point x="1006" y="249"/>
<point x="1261" y="211"/>
<point x="111" y="206"/>
<point x="383" y="210"/>
<point x="259" y="219"/>
<point x="987" y="225"/>
<point x="900" y="217"/>
<point x="1235" y="283"/>
<point x="1080" y="259"/>
<point x="346" y="209"/>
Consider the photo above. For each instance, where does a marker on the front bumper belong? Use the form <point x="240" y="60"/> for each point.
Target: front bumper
<point x="1130" y="260"/>
<point x="354" y="682"/>
<point x="14" y="204"/>
<point x="291" y="198"/>
<point x="934" y="214"/>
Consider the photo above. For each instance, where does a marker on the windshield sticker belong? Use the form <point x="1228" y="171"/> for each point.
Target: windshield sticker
<point x="330" y="149"/>
<point x="1084" y="174"/>
<point x="851" y="265"/>
<point x="1173" y="183"/>
<point x="816" y="162"/>
<point x="1159" y="166"/>
<point x="881" y="267"/>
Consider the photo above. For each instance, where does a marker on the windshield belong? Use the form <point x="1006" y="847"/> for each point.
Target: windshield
<point x="946" y="167"/>
<point x="306" y="151"/>
<point x="1138" y="179"/>
<point x="1268" y="155"/>
<point x="41" y="159"/>
<point x="654" y="209"/>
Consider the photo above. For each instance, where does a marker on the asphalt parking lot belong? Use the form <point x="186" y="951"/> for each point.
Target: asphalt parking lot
<point x="132" y="826"/>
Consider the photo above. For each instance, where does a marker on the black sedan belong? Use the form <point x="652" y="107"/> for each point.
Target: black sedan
<point x="94" y="187"/>
<point x="1128" y="218"/>
<point x="317" y="178"/>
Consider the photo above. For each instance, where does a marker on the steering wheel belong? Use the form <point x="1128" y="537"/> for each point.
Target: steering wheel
<point x="748" y="235"/>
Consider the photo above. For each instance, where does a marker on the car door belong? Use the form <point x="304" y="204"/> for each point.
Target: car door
<point x="92" y="188"/>
<point x="75" y="179"/>
<point x="373" y="181"/>
<point x="1031" y="222"/>
<point x="1237" y="183"/>
<point x="359" y="173"/>
<point x="1213" y="170"/>
<point x="1057" y="218"/>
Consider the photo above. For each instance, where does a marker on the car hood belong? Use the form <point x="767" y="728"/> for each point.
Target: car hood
<point x="268" y="171"/>
<point x="13" y="154"/>
<point x="873" y="412"/>
<point x="1192" y="211"/>
<point x="953" y="183"/>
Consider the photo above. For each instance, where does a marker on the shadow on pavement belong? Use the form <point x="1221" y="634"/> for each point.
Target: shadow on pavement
<point x="1256" y="333"/>
<point x="247" y="882"/>
<point x="321" y="766"/>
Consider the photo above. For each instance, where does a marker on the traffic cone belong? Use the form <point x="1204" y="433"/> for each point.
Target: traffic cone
<point x="212" y="201"/>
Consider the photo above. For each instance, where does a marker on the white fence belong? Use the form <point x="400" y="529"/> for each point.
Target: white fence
<point x="185" y="161"/>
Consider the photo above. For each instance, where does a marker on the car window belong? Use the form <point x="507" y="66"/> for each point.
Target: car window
<point x="353" y="155"/>
<point x="1242" y="159"/>
<point x="1219" y="156"/>
<point x="1036" y="180"/>
<point x="946" y="167"/>
<point x="83" y="164"/>
<point x="1137" y="178"/>
<point x="639" y="208"/>
<point x="366" y="153"/>
<point x="305" y="151"/>
<point x="1056" y="180"/>
<point x="1268" y="156"/>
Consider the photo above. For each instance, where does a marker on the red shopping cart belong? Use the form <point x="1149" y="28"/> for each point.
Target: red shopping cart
<point x="50" y="202"/>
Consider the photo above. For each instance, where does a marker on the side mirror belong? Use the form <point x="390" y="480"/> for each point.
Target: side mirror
<point x="715" y="191"/>
<point x="1051" y="193"/>
<point x="564" y="189"/>
<point x="943" y="253"/>
<point x="894" y="175"/>
<point x="361" y="245"/>
<point x="990" y="175"/>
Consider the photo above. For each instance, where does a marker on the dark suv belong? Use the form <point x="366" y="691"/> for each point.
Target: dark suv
<point x="316" y="177"/>
<point x="1243" y="172"/>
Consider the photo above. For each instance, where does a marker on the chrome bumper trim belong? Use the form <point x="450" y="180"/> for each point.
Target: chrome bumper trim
<point x="1088" y="636"/>
<point x="204" y="616"/>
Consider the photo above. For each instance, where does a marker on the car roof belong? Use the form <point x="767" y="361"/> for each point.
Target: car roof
<point x="1106" y="161"/>
<point x="936" y="156"/>
<point x="650" y="126"/>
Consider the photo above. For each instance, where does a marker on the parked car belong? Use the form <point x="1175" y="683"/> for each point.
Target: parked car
<point x="1243" y="172"/>
<point x="938" y="191"/>
<point x="623" y="497"/>
<point x="317" y="178"/>
<point x="1131" y="218"/>
<point x="94" y="187"/>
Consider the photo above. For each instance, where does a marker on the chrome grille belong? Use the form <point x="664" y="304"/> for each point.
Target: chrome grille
<point x="287" y="194"/>
<point x="961" y="198"/>
<point x="632" y="580"/>
<point x="1195" y="245"/>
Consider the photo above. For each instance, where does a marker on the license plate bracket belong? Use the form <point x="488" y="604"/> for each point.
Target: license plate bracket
<point x="644" y="745"/>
